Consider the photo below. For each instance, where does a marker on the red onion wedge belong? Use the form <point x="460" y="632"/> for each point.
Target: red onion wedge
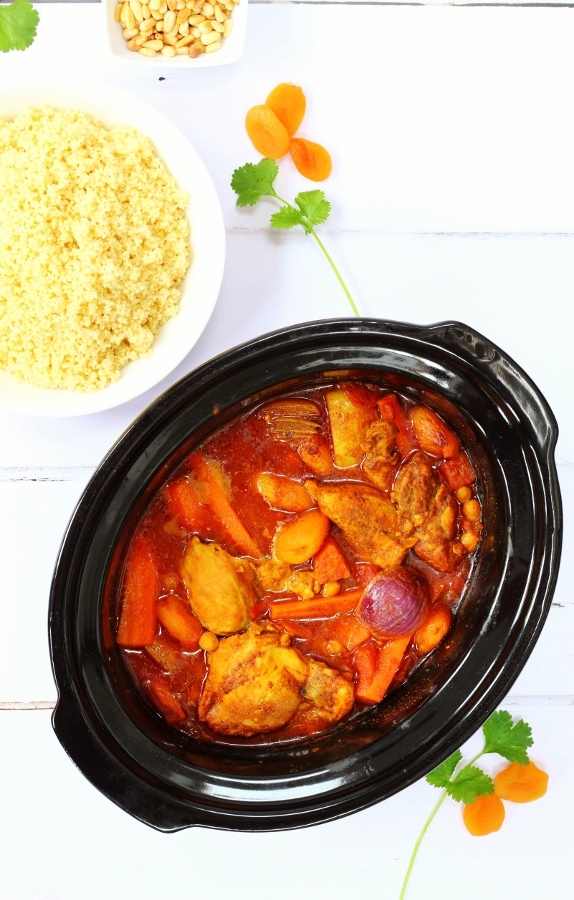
<point x="394" y="603"/>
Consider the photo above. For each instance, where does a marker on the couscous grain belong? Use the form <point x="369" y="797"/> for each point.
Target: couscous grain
<point x="94" y="246"/>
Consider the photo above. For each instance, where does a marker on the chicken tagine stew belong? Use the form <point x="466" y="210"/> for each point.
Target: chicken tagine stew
<point x="299" y="564"/>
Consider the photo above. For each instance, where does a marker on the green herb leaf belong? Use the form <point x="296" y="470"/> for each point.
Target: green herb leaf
<point x="314" y="206"/>
<point x="506" y="738"/>
<point x="254" y="180"/>
<point x="470" y="783"/>
<point x="441" y="776"/>
<point x="287" y="217"/>
<point x="18" y="23"/>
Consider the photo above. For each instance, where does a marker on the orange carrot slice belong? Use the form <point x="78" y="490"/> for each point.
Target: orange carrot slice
<point x="168" y="706"/>
<point x="211" y="489"/>
<point x="329" y="563"/>
<point x="177" y="618"/>
<point x="375" y="668"/>
<point x="311" y="159"/>
<point x="138" y="621"/>
<point x="315" y="607"/>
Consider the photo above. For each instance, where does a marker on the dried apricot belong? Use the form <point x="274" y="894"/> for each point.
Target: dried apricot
<point x="484" y="816"/>
<point x="267" y="134"/>
<point x="288" y="103"/>
<point x="521" y="783"/>
<point x="311" y="159"/>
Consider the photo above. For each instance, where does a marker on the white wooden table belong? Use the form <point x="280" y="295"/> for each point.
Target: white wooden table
<point x="452" y="134"/>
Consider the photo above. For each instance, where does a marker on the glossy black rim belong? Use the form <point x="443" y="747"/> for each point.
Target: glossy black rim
<point x="172" y="787"/>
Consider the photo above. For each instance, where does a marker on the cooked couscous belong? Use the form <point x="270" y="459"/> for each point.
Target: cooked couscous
<point x="94" y="245"/>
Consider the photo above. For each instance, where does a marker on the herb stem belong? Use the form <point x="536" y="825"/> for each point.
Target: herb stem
<point x="336" y="271"/>
<point x="419" y="840"/>
<point x="327" y="257"/>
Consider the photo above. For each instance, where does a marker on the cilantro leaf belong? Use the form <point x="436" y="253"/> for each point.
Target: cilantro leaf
<point x="18" y="23"/>
<point x="254" y="180"/>
<point x="441" y="776"/>
<point x="314" y="207"/>
<point x="287" y="217"/>
<point x="470" y="783"/>
<point x="506" y="738"/>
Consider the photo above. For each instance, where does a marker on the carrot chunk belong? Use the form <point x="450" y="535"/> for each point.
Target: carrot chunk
<point x="433" y="629"/>
<point x="267" y="134"/>
<point x="182" y="502"/>
<point x="521" y="783"/>
<point x="484" y="815"/>
<point x="311" y="159"/>
<point x="329" y="563"/>
<point x="177" y="618"/>
<point x="457" y="471"/>
<point x="288" y="103"/>
<point x="315" y="607"/>
<point x="168" y="706"/>
<point x="138" y="619"/>
<point x="211" y="490"/>
<point x="375" y="667"/>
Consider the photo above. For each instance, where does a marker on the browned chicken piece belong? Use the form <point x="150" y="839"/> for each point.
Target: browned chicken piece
<point x="413" y="490"/>
<point x="327" y="697"/>
<point x="366" y="517"/>
<point x="219" y="586"/>
<point x="381" y="455"/>
<point x="254" y="682"/>
<point x="427" y="511"/>
<point x="436" y="543"/>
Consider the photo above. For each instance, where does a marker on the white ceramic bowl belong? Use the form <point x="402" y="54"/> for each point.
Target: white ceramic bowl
<point x="202" y="283"/>
<point x="231" y="48"/>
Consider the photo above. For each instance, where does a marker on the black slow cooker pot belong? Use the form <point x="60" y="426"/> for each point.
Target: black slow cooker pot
<point x="169" y="780"/>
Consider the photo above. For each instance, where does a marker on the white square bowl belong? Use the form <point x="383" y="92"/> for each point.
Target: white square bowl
<point x="230" y="51"/>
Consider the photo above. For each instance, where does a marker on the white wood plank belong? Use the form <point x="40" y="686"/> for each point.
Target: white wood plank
<point x="84" y="846"/>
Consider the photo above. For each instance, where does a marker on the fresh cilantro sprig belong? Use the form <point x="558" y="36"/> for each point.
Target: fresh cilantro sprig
<point x="18" y="23"/>
<point x="464" y="784"/>
<point x="253" y="181"/>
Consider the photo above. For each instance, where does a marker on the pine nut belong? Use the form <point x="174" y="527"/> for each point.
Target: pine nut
<point x="169" y="21"/>
<point x="136" y="8"/>
<point x="209" y="38"/>
<point x="174" y="27"/>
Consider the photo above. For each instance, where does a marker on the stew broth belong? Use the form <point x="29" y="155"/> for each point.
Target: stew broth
<point x="243" y="601"/>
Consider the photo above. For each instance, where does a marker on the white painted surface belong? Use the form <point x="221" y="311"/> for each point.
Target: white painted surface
<point x="452" y="134"/>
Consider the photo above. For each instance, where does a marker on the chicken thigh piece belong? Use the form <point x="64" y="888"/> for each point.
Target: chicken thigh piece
<point x="327" y="697"/>
<point x="366" y="517"/>
<point x="427" y="511"/>
<point x="253" y="683"/>
<point x="219" y="586"/>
